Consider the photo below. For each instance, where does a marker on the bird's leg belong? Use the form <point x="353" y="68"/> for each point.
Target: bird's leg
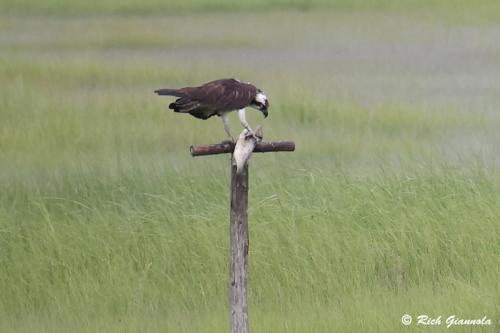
<point x="244" y="123"/>
<point x="225" y="120"/>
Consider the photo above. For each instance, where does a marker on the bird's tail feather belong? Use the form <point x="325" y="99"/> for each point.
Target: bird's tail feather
<point x="183" y="105"/>
<point x="169" y="92"/>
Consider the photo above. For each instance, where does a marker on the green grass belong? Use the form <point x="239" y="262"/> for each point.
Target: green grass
<point x="131" y="7"/>
<point x="108" y="225"/>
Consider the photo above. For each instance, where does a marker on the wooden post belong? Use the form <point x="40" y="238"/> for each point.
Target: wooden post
<point x="238" y="272"/>
<point x="239" y="241"/>
<point x="227" y="147"/>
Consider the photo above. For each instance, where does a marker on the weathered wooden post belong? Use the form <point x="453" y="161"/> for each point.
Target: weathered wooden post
<point x="239" y="242"/>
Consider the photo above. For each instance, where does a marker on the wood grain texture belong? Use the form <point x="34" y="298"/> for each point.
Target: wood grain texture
<point x="228" y="147"/>
<point x="238" y="271"/>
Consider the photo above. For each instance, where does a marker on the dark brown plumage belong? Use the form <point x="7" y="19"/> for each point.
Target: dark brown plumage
<point x="218" y="98"/>
<point x="212" y="98"/>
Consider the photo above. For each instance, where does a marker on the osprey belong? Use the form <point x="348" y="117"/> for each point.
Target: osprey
<point x="218" y="98"/>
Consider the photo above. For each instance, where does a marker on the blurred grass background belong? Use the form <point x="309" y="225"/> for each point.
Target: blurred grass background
<point x="485" y="8"/>
<point x="390" y="205"/>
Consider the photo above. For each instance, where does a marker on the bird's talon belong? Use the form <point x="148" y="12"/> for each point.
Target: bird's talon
<point x="251" y="134"/>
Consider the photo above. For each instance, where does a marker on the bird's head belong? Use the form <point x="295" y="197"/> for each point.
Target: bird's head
<point x="260" y="102"/>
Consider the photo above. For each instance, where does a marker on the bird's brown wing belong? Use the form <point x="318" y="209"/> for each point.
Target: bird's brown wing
<point x="223" y="95"/>
<point x="214" y="97"/>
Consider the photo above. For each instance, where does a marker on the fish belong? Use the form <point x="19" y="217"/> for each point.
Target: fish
<point x="244" y="147"/>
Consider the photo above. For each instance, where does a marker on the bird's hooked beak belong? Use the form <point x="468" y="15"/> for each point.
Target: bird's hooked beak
<point x="263" y="109"/>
